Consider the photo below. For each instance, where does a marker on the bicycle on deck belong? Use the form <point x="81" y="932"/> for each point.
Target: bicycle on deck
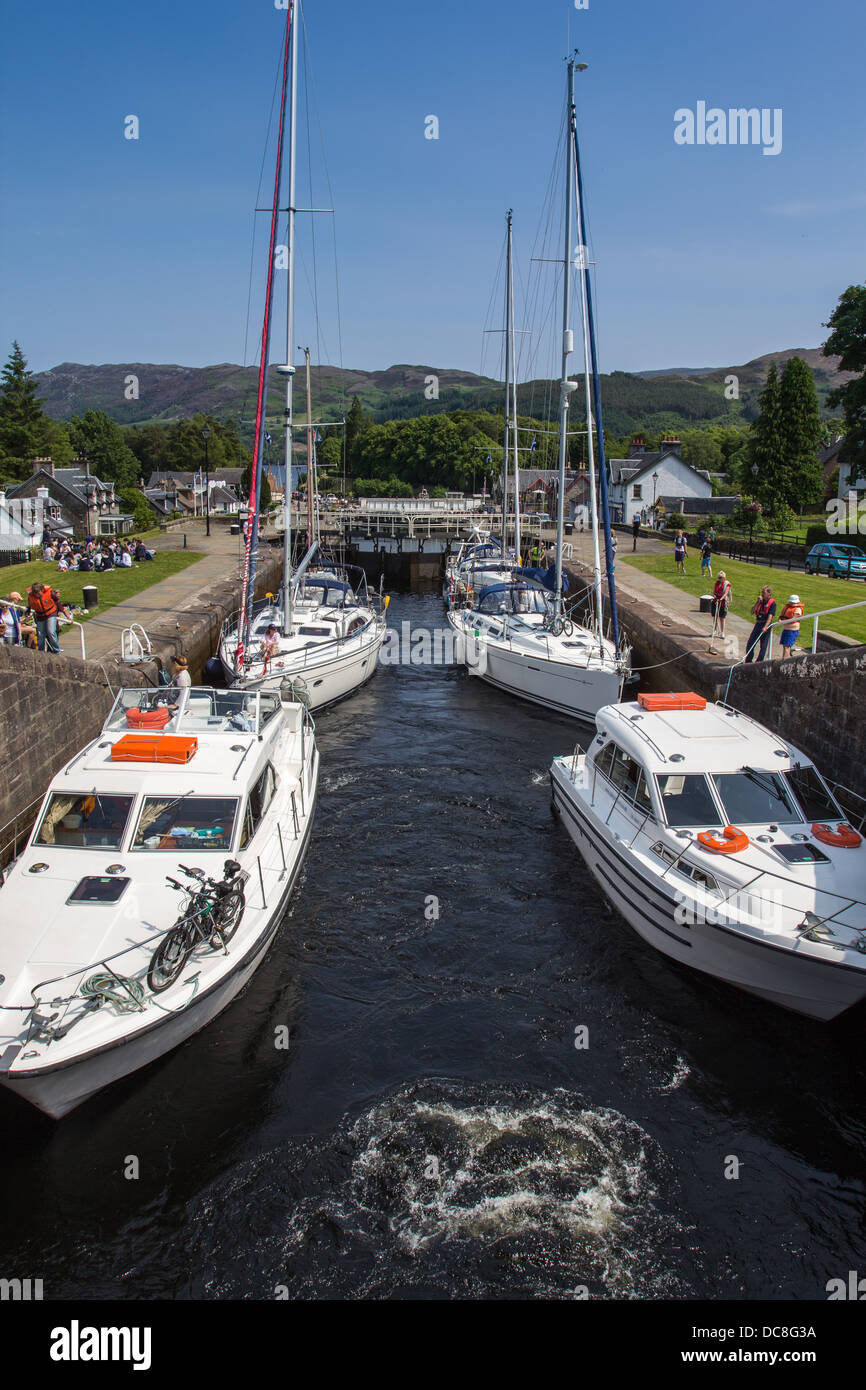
<point x="211" y="918"/>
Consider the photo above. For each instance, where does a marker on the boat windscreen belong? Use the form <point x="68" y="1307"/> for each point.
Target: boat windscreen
<point x="751" y="797"/>
<point x="813" y="796"/>
<point x="687" y="800"/>
<point x="188" y="822"/>
<point x="84" y="820"/>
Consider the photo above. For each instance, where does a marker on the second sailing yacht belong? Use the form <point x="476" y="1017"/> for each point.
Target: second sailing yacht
<point x="515" y="630"/>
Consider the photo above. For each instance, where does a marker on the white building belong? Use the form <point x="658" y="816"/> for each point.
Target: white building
<point x="641" y="480"/>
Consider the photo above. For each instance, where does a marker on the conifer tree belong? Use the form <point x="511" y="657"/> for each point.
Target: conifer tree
<point x="801" y="435"/>
<point x="22" y="420"/>
<point x="765" y="465"/>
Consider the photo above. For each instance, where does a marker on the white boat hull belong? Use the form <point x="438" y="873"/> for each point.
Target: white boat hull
<point x="570" y="688"/>
<point x="327" y="680"/>
<point x="820" y="989"/>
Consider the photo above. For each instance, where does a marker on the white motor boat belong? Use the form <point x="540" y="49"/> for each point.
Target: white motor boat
<point x="513" y="639"/>
<point x="721" y="844"/>
<point x="107" y="963"/>
<point x="326" y="650"/>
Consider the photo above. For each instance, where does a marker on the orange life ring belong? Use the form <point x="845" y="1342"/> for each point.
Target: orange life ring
<point x="843" y="837"/>
<point x="148" y="718"/>
<point x="732" y="842"/>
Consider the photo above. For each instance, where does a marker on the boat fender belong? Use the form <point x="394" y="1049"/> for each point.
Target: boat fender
<point x="733" y="840"/>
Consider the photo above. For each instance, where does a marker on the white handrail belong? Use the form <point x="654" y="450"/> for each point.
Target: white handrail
<point x="807" y="617"/>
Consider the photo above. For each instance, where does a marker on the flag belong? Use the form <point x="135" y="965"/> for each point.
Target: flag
<point x="318" y="438"/>
<point x="534" y="445"/>
<point x="268" y="439"/>
<point x="489" y="460"/>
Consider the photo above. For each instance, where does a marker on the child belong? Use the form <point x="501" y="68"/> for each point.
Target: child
<point x="706" y="560"/>
<point x="790" y="618"/>
<point x="681" y="550"/>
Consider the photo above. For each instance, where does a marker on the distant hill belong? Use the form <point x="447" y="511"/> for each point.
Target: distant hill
<point x="676" y="398"/>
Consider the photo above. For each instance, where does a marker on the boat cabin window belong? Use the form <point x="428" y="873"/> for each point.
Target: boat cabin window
<point x="258" y="802"/>
<point x="514" y="600"/>
<point x="687" y="800"/>
<point x="84" y="820"/>
<point x="269" y="706"/>
<point x="627" y="776"/>
<point x="186" y="822"/>
<point x="813" y="796"/>
<point x="354" y="626"/>
<point x="755" y="798"/>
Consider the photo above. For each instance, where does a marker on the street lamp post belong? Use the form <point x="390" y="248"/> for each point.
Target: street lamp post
<point x="205" y="434"/>
<point x="655" y="485"/>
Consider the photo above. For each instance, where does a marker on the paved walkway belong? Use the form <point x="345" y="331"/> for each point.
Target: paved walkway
<point x="223" y="559"/>
<point x="678" y="610"/>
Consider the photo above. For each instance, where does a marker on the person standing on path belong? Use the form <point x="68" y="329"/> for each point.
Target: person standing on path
<point x="635" y="531"/>
<point x="764" y="610"/>
<point x="722" y="595"/>
<point x="45" y="605"/>
<point x="790" y="616"/>
<point x="681" y="550"/>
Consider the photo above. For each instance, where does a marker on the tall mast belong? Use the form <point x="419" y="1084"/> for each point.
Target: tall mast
<point x="311" y="491"/>
<point x="505" y="450"/>
<point x="596" y="387"/>
<point x="509" y="329"/>
<point x="583" y="255"/>
<point x="287" y="369"/>
<point x="565" y="386"/>
<point x="248" y="589"/>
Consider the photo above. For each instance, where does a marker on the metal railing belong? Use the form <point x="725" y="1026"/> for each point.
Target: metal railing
<point x="779" y="622"/>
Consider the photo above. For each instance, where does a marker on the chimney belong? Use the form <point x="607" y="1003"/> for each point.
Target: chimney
<point x="86" y="462"/>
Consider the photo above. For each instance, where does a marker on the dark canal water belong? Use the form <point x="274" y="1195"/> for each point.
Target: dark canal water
<point x="432" y="1130"/>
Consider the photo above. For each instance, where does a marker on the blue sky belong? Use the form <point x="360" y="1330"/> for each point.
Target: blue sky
<point x="139" y="251"/>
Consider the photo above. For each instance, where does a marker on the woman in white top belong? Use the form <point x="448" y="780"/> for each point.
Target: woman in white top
<point x="181" y="672"/>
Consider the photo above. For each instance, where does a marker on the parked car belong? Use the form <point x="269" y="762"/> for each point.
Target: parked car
<point x="838" y="561"/>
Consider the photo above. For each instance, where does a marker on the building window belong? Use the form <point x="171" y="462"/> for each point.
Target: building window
<point x="637" y="492"/>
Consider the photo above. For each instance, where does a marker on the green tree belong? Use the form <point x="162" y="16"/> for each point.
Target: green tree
<point x="848" y="342"/>
<point x="357" y="424"/>
<point x="801" y="434"/>
<point x="765" y="462"/>
<point x="136" y="505"/>
<point x="97" y="438"/>
<point x="23" y="423"/>
<point x="701" y="450"/>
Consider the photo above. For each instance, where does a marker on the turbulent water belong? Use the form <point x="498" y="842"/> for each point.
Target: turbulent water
<point x="433" y="1130"/>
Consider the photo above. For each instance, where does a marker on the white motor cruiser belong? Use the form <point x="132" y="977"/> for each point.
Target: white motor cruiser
<point x="154" y="881"/>
<point x="721" y="844"/>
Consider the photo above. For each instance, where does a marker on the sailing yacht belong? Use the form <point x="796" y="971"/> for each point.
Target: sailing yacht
<point x="320" y="640"/>
<point x="192" y="809"/>
<point x="514" y="630"/>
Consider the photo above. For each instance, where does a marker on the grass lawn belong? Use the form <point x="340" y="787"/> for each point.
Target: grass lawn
<point x="816" y="591"/>
<point x="114" y="586"/>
